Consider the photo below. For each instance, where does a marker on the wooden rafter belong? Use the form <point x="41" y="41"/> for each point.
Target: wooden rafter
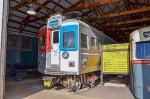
<point x="43" y="7"/>
<point x="113" y="10"/>
<point x="58" y="4"/>
<point x="25" y="20"/>
<point x="76" y="4"/>
<point x="47" y="16"/>
<point x="24" y="13"/>
<point x="91" y="5"/>
<point x="125" y="29"/>
<point x="44" y="4"/>
<point x="125" y="22"/>
<point x="138" y="3"/>
<point x="20" y="5"/>
<point x="40" y="18"/>
<point x="32" y="26"/>
<point x="23" y="23"/>
<point x="26" y="6"/>
<point x="121" y="13"/>
<point x="24" y="30"/>
<point x="84" y="14"/>
<point x="116" y="8"/>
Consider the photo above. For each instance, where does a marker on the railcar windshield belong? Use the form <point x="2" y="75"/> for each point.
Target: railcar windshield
<point x="143" y="50"/>
<point x="69" y="39"/>
<point x="42" y="42"/>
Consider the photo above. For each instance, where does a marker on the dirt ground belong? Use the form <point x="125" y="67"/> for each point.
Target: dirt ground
<point x="33" y="89"/>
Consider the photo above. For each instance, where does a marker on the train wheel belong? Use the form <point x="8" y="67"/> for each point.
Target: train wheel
<point x="92" y="84"/>
<point x="77" y="86"/>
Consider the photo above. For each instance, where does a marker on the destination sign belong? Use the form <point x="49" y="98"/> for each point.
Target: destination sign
<point x="146" y="34"/>
<point x="54" y="23"/>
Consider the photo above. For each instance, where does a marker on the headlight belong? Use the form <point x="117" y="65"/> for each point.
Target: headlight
<point x="65" y="55"/>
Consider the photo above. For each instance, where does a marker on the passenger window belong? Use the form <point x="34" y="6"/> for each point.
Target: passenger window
<point x="92" y="41"/>
<point x="13" y="42"/>
<point x="97" y="44"/>
<point x="56" y="37"/>
<point x="83" y="41"/>
<point x="42" y="42"/>
<point x="25" y="43"/>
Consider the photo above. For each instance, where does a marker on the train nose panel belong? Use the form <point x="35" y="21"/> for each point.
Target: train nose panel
<point x="69" y="44"/>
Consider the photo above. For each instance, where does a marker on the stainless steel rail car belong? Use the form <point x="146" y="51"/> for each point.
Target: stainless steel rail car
<point x="79" y="56"/>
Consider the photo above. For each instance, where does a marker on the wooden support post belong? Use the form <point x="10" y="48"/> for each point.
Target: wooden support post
<point x="102" y="82"/>
<point x="3" y="37"/>
<point x="101" y="75"/>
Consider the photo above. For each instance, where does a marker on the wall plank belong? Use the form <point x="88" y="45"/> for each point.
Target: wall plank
<point x="4" y="4"/>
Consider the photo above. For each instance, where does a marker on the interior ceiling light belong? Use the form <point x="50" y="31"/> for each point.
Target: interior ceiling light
<point x="31" y="10"/>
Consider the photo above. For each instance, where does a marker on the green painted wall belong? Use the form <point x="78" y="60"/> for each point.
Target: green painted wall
<point x="30" y="57"/>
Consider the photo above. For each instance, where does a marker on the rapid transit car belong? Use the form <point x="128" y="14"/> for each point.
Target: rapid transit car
<point x="79" y="57"/>
<point x="140" y="62"/>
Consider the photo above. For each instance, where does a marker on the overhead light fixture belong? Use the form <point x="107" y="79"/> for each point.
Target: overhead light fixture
<point x="31" y="10"/>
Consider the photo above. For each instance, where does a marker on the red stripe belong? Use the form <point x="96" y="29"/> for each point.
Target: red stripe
<point x="140" y="61"/>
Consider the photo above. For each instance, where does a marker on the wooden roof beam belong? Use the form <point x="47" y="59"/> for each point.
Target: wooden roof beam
<point x="25" y="4"/>
<point x="20" y="5"/>
<point x="58" y="5"/>
<point x="76" y="4"/>
<point x="116" y="8"/>
<point x="118" y="35"/>
<point x="43" y="17"/>
<point x="79" y="3"/>
<point x="138" y="3"/>
<point x="125" y="33"/>
<point x="86" y="13"/>
<point x="44" y="4"/>
<point x="144" y="9"/>
<point x="125" y="22"/>
<point x="40" y="18"/>
<point x="91" y="5"/>
<point x="25" y="13"/>
<point x="32" y="26"/>
<point x="25" y="20"/>
<point x="125" y="29"/>
<point x="24" y="30"/>
<point x="43" y="7"/>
